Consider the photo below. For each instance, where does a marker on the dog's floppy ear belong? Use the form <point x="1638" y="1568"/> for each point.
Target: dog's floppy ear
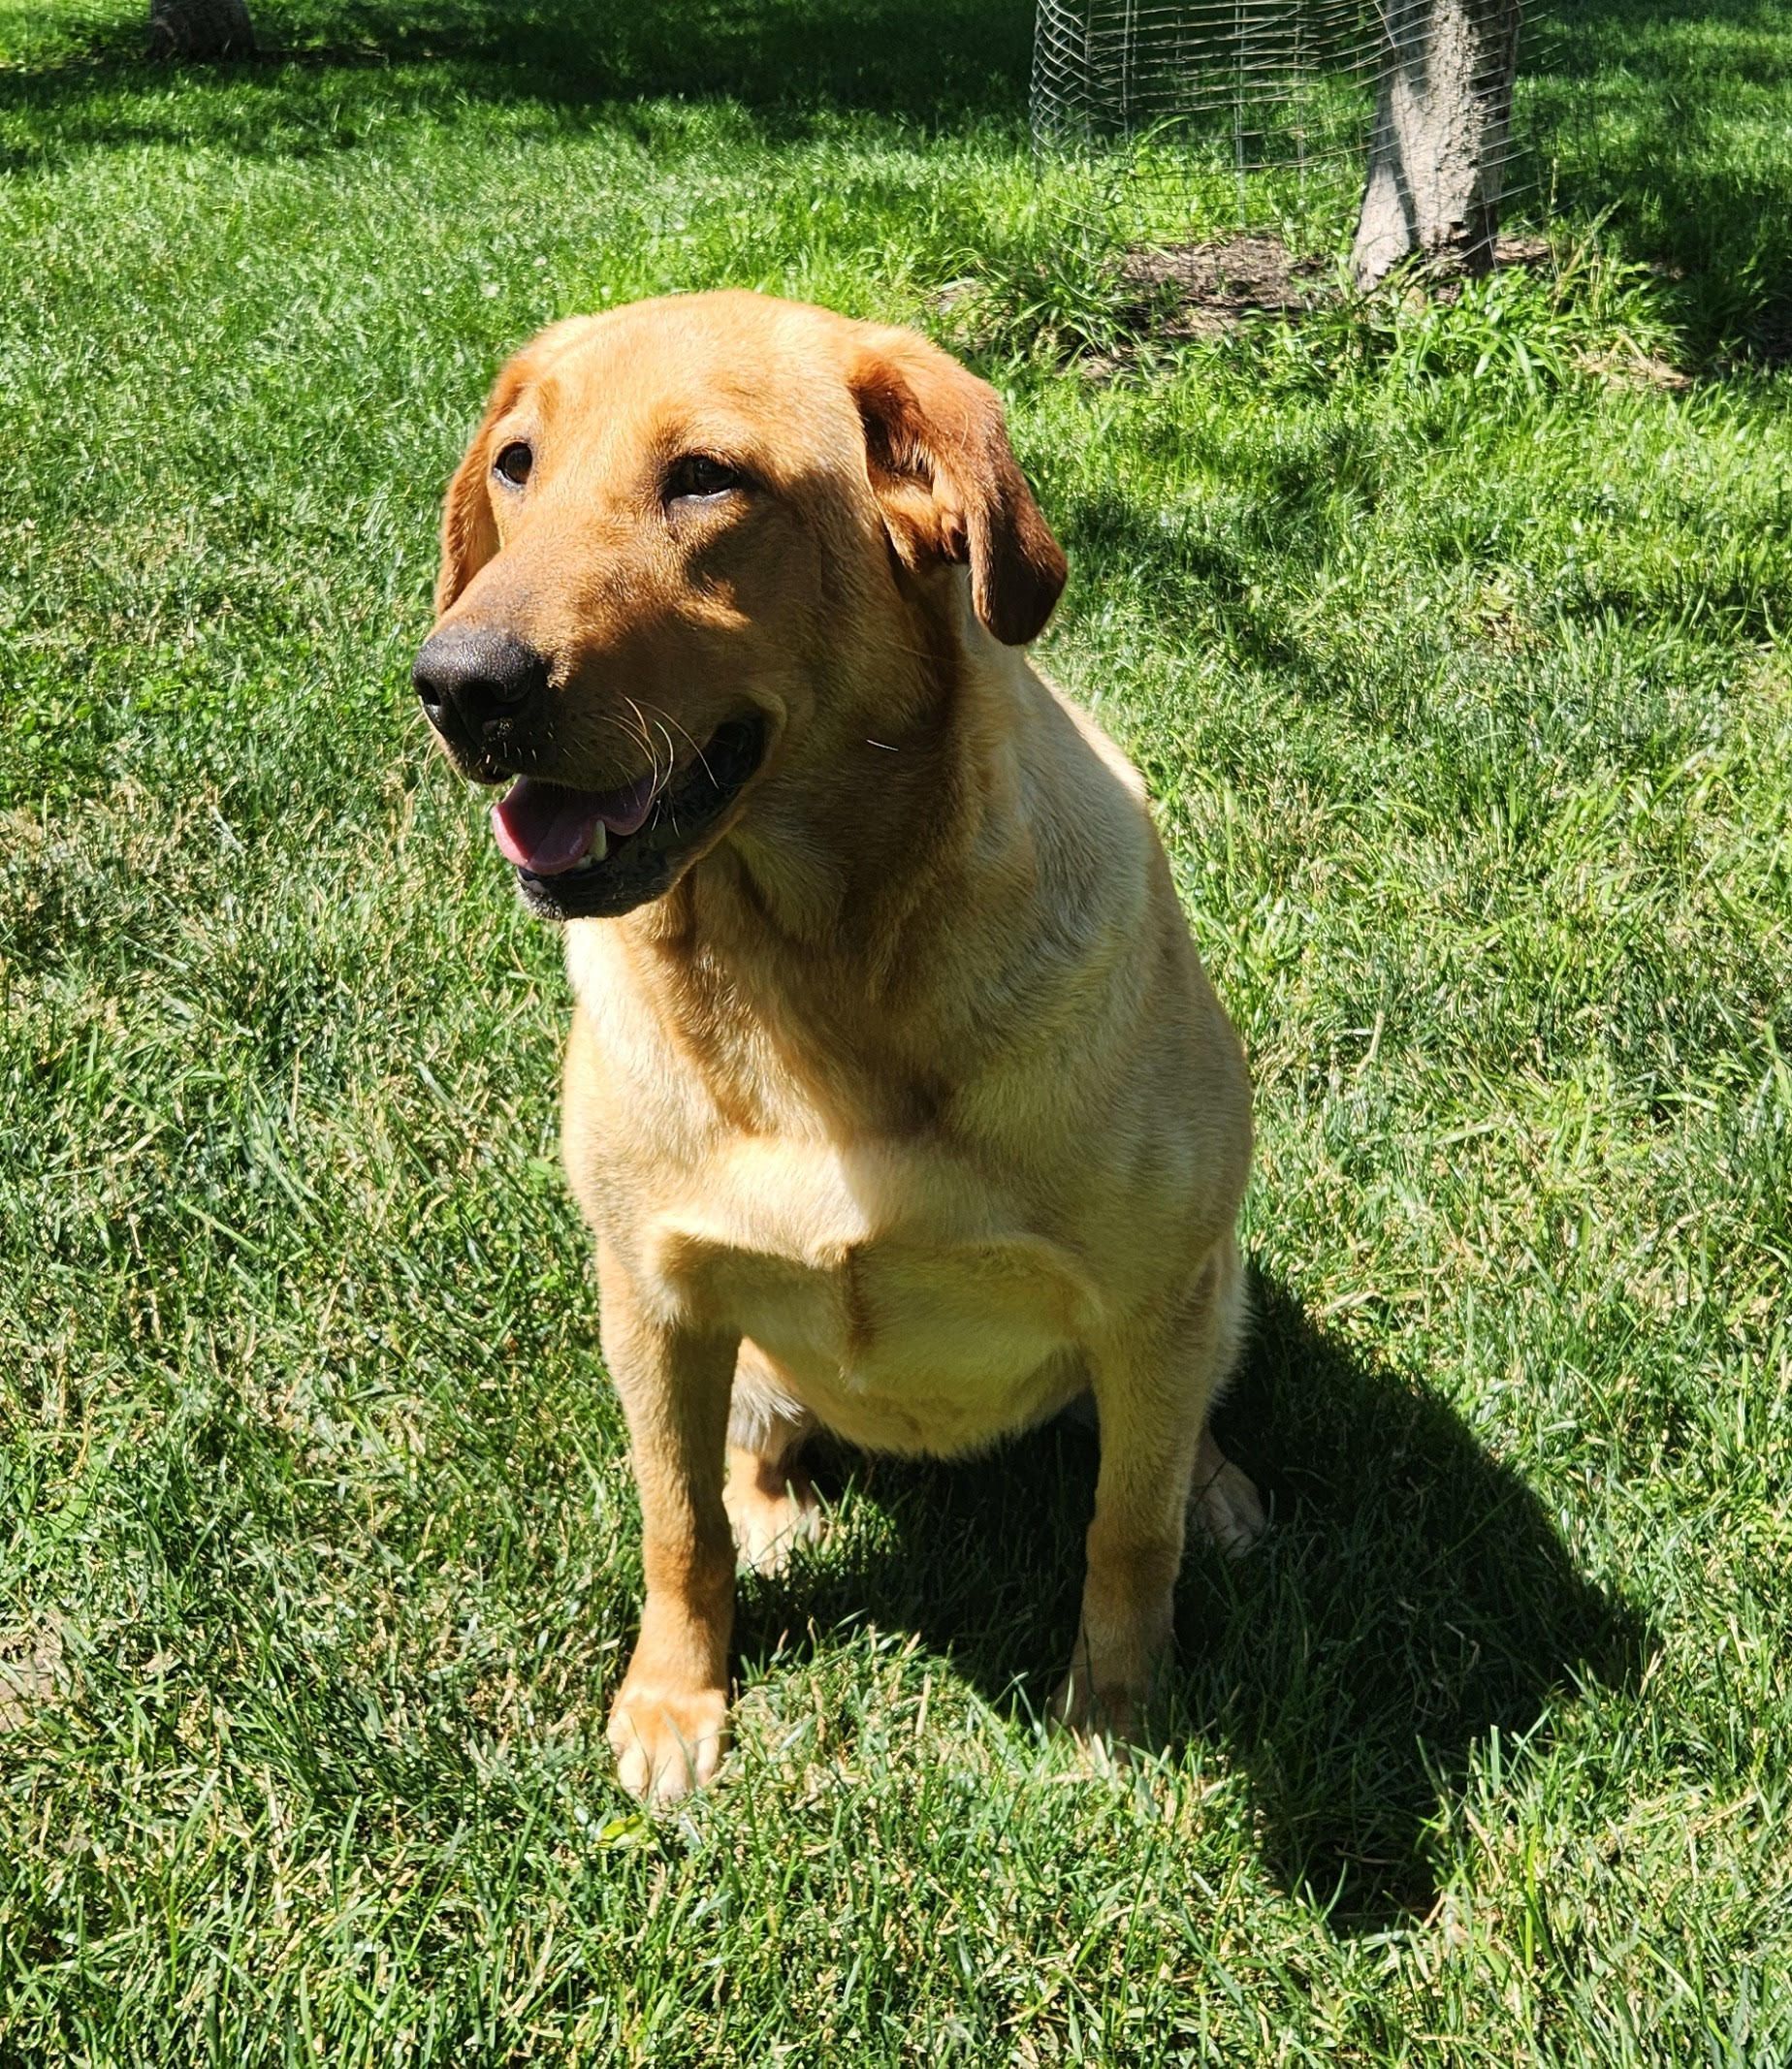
<point x="949" y="484"/>
<point x="469" y="530"/>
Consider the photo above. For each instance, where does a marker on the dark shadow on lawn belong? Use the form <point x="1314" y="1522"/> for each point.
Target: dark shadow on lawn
<point x="1643" y="108"/>
<point x="1410" y="1598"/>
<point x="335" y="71"/>
<point x="1202" y="576"/>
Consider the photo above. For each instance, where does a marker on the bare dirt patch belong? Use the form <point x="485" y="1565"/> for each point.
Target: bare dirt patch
<point x="31" y="1674"/>
<point x="1206" y="290"/>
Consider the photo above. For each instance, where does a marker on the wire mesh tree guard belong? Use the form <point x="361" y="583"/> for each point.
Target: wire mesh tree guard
<point x="1295" y="111"/>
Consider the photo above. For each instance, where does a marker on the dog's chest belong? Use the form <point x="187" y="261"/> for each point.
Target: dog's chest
<point x="907" y="1304"/>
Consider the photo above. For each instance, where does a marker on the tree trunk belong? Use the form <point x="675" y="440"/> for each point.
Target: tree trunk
<point x="1443" y="120"/>
<point x="201" y="29"/>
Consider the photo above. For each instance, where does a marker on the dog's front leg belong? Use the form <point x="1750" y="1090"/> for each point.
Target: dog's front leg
<point x="1152" y="1392"/>
<point x="1135" y="1549"/>
<point x="668" y="1726"/>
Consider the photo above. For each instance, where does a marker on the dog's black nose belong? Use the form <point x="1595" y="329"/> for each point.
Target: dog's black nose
<point x="479" y="686"/>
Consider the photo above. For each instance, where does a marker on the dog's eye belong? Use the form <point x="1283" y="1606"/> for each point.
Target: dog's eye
<point x="699" y="476"/>
<point x="514" y="464"/>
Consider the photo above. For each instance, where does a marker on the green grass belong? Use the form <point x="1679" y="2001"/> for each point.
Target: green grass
<point x="1457" y="667"/>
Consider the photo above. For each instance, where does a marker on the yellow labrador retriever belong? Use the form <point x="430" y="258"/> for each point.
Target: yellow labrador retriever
<point x="896" y="1095"/>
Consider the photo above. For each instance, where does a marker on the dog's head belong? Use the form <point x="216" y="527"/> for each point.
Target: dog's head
<point x="675" y="548"/>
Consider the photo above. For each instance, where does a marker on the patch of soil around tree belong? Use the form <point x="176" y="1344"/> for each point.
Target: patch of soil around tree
<point x="1192" y="291"/>
<point x="1182" y="293"/>
<point x="1189" y="291"/>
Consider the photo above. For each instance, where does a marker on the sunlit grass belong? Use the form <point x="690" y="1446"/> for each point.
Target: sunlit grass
<point x="1451" y="639"/>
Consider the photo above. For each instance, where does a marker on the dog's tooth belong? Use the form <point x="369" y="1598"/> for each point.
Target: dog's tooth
<point x="593" y="855"/>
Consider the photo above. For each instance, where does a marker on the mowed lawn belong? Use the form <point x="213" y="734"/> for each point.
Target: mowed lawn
<point x="1452" y="645"/>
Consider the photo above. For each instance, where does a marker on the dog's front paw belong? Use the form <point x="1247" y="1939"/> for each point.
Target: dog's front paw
<point x="1105" y="1721"/>
<point x="666" y="1745"/>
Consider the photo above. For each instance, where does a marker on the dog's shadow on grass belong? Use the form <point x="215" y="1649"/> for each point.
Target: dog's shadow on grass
<point x="1410" y="1598"/>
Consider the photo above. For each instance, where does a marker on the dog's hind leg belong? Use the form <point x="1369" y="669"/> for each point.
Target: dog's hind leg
<point x="769" y="1500"/>
<point x="1225" y="1501"/>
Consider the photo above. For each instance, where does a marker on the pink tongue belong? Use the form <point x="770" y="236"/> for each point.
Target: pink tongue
<point x="545" y="828"/>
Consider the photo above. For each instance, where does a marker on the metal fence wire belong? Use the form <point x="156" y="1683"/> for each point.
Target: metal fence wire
<point x="1276" y="97"/>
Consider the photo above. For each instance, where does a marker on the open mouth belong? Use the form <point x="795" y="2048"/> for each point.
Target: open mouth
<point x="591" y="854"/>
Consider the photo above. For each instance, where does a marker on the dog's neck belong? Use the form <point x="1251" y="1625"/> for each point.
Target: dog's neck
<point x="850" y="846"/>
<point x="843" y="900"/>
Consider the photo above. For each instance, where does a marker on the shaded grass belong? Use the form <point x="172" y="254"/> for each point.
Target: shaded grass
<point x="1671" y="119"/>
<point x="1462" y="692"/>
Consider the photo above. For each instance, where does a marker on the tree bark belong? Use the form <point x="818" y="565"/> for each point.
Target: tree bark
<point x="201" y="29"/>
<point x="1443" y="120"/>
